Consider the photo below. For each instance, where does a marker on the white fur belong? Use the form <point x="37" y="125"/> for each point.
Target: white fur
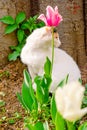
<point x="38" y="47"/>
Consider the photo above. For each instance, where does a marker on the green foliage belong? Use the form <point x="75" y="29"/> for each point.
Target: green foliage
<point x="38" y="126"/>
<point x="13" y="56"/>
<point x="47" y="67"/>
<point x="4" y="73"/>
<point x="7" y="20"/>
<point x="71" y="125"/>
<point x="59" y="122"/>
<point x="53" y="109"/>
<point x="43" y="83"/>
<point x="20" y="17"/>
<point x="2" y="103"/>
<point x="37" y="103"/>
<point x="12" y="119"/>
<point x="28" y="99"/>
<point x="23" y="28"/>
<point x="20" y="35"/>
<point x="10" y="28"/>
<point x="41" y="109"/>
<point x="63" y="82"/>
<point x="57" y="119"/>
<point x="84" y="103"/>
<point x="83" y="126"/>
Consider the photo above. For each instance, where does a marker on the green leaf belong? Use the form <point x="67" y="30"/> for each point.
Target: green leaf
<point x="28" y="81"/>
<point x="46" y="126"/>
<point x="29" y="126"/>
<point x="83" y="126"/>
<point x="47" y="67"/>
<point x="38" y="126"/>
<point x="20" y="35"/>
<point x="86" y="85"/>
<point x="71" y="126"/>
<point x="25" y="26"/>
<point x="60" y="122"/>
<point x="43" y="83"/>
<point x="32" y="23"/>
<point x="13" y="56"/>
<point x="39" y="89"/>
<point x="17" y="115"/>
<point x="13" y="48"/>
<point x="27" y="96"/>
<point x="35" y="17"/>
<point x="7" y="20"/>
<point x="63" y="82"/>
<point x="40" y="24"/>
<point x="21" y="101"/>
<point x="19" y="47"/>
<point x="10" y="28"/>
<point x="80" y="80"/>
<point x="20" y="17"/>
<point x="85" y="100"/>
<point x="28" y="93"/>
<point x="42" y="88"/>
<point x="2" y="103"/>
<point x="11" y="121"/>
<point x="27" y="78"/>
<point x="16" y="48"/>
<point x="53" y="109"/>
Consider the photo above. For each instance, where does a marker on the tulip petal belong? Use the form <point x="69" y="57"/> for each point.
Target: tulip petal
<point x="49" y="15"/>
<point x="56" y="9"/>
<point x="56" y="12"/>
<point x="74" y="116"/>
<point x="72" y="95"/>
<point x="59" y="17"/>
<point x="53" y="18"/>
<point x="43" y="18"/>
<point x="50" y="12"/>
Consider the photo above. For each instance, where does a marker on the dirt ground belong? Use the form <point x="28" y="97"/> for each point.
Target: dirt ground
<point x="11" y="78"/>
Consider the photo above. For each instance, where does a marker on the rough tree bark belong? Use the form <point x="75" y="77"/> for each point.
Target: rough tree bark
<point x="10" y="7"/>
<point x="85" y="19"/>
<point x="71" y="29"/>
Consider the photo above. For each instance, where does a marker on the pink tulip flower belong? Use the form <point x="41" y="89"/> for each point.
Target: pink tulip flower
<point x="52" y="18"/>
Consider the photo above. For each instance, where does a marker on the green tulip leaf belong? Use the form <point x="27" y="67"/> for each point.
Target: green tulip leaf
<point x="53" y="109"/>
<point x="83" y="126"/>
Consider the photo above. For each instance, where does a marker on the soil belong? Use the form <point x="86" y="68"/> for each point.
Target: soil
<point x="11" y="78"/>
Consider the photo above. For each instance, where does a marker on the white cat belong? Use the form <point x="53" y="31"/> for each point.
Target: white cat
<point x="38" y="47"/>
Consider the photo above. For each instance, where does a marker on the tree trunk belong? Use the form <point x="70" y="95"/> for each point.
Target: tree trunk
<point x="85" y="19"/>
<point x="10" y="7"/>
<point x="71" y="29"/>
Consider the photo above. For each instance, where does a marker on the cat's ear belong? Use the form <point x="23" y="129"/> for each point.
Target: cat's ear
<point x="48" y="29"/>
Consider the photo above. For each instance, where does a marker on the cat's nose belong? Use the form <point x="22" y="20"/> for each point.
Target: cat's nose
<point x="56" y="37"/>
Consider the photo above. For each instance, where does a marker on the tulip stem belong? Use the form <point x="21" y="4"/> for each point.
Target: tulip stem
<point x="52" y="49"/>
<point x="70" y="126"/>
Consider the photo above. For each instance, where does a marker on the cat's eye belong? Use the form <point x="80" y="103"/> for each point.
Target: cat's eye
<point x="54" y="30"/>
